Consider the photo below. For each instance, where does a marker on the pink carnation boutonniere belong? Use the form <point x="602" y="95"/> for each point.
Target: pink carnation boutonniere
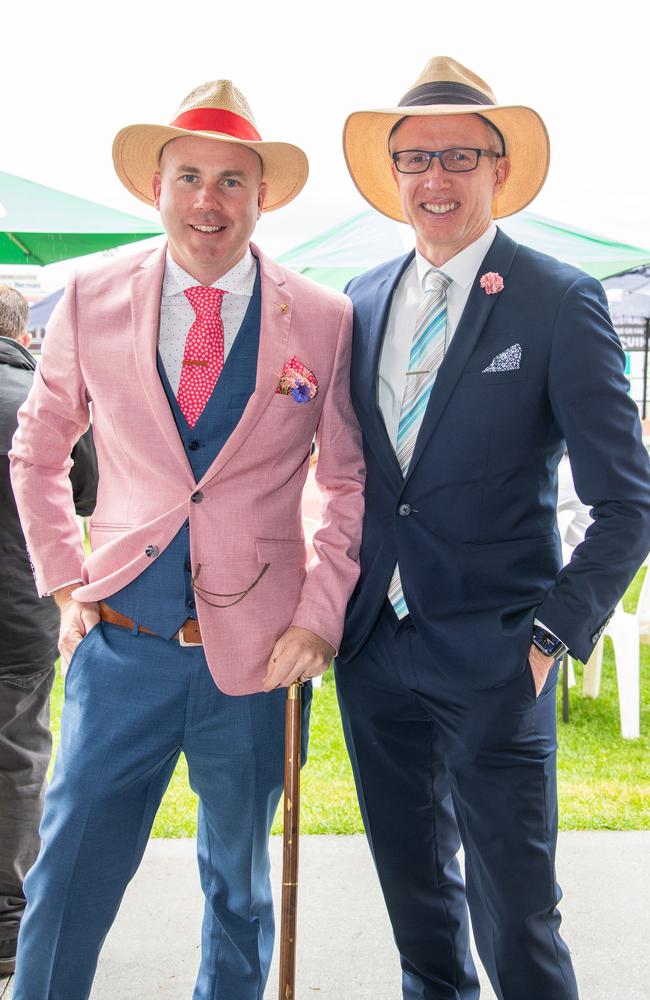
<point x="491" y="283"/>
<point x="297" y="381"/>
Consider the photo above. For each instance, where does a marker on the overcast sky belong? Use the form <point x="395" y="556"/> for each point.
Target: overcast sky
<point x="74" y="73"/>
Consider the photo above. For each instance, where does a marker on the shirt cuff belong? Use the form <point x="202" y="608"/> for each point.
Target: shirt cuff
<point x="60" y="587"/>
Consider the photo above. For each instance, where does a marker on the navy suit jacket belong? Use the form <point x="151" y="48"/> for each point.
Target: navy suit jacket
<point x="473" y="523"/>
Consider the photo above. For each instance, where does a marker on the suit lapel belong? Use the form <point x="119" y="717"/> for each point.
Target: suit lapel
<point x="275" y="324"/>
<point x="475" y="315"/>
<point x="146" y="290"/>
<point x="374" y="427"/>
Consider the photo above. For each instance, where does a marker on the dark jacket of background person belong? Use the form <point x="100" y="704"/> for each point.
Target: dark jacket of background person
<point x="28" y="650"/>
<point x="30" y="626"/>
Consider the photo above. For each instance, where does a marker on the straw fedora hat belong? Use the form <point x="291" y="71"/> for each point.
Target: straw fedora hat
<point x="445" y="87"/>
<point x="216" y="111"/>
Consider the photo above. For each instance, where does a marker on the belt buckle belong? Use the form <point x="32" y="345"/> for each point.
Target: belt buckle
<point x="183" y="641"/>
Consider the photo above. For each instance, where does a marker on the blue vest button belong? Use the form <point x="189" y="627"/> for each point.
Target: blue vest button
<point x="152" y="551"/>
<point x="193" y="445"/>
<point x="197" y="497"/>
<point x="405" y="509"/>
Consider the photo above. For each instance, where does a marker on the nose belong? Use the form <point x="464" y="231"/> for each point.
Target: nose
<point x="436" y="176"/>
<point x="207" y="197"/>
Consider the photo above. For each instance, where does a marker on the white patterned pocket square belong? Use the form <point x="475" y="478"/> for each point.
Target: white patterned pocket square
<point x="508" y="361"/>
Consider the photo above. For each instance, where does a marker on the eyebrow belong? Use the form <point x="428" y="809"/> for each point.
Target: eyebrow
<point x="187" y="169"/>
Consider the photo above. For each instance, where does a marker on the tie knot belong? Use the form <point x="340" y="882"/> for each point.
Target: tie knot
<point x="436" y="281"/>
<point x="205" y="300"/>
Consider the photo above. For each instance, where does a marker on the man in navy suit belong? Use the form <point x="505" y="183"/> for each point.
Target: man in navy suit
<point x="475" y="362"/>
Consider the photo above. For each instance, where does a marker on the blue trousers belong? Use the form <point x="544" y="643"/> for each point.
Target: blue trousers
<point x="133" y="703"/>
<point x="431" y="760"/>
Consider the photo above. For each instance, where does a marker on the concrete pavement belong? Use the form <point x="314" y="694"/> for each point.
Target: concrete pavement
<point x="345" y="945"/>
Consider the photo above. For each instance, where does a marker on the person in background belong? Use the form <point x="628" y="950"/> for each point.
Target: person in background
<point x="30" y="629"/>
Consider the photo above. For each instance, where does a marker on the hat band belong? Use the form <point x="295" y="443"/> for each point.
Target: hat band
<point x="443" y="93"/>
<point x="217" y="120"/>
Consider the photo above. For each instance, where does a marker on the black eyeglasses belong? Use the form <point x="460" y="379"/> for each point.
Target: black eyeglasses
<point x="457" y="160"/>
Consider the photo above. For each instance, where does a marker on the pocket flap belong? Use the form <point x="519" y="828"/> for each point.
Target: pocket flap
<point x="281" y="549"/>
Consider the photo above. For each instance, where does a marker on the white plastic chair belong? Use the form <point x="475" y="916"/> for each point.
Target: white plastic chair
<point x="627" y="631"/>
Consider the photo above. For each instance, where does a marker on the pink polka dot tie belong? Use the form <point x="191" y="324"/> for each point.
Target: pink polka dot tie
<point x="203" y="356"/>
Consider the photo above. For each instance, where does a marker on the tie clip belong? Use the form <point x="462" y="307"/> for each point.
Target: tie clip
<point x="203" y="364"/>
<point x="422" y="371"/>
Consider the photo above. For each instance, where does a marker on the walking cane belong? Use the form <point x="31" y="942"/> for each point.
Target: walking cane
<point x="291" y="842"/>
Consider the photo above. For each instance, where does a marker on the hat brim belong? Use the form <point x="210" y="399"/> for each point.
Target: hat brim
<point x="137" y="149"/>
<point x="365" y="145"/>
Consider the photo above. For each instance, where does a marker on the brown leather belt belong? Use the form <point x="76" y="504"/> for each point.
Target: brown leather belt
<point x="189" y="634"/>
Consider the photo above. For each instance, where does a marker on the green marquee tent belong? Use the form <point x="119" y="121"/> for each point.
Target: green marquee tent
<point x="40" y="225"/>
<point x="367" y="239"/>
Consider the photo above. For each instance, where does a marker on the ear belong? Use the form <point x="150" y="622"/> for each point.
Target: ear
<point x="261" y="198"/>
<point x="24" y="338"/>
<point x="156" y="185"/>
<point x="501" y="173"/>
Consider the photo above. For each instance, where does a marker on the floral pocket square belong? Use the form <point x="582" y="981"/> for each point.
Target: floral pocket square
<point x="297" y="381"/>
<point x="508" y="361"/>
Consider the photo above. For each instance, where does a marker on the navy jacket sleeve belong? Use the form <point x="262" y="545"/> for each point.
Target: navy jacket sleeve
<point x="589" y="395"/>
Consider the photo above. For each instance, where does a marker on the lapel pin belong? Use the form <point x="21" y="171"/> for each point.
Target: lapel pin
<point x="283" y="308"/>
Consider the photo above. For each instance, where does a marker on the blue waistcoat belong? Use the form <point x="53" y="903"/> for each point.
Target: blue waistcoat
<point x="161" y="598"/>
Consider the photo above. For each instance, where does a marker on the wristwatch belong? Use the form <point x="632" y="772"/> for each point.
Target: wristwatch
<point x="548" y="643"/>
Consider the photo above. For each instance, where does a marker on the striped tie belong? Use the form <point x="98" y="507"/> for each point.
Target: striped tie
<point x="427" y="351"/>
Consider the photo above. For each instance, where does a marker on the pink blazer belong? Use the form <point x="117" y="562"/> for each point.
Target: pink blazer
<point x="99" y="358"/>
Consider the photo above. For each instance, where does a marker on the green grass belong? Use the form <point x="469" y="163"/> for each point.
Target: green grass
<point x="604" y="781"/>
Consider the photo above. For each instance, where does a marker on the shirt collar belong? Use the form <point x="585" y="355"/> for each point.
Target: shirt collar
<point x="239" y="280"/>
<point x="462" y="268"/>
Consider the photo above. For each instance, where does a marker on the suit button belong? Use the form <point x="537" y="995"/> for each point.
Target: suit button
<point x="197" y="497"/>
<point x="152" y="551"/>
<point x="405" y="509"/>
<point x="193" y="445"/>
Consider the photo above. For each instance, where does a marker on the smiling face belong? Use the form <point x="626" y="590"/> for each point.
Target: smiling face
<point x="448" y="211"/>
<point x="210" y="196"/>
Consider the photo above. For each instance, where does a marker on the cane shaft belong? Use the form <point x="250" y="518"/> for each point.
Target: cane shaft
<point x="291" y="843"/>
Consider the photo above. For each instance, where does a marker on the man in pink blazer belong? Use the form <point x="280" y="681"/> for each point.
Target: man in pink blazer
<point x="208" y="370"/>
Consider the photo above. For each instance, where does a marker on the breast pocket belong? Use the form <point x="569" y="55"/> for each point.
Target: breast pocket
<point x="490" y="379"/>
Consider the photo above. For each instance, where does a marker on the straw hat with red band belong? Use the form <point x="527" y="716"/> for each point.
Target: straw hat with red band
<point x="447" y="88"/>
<point x="219" y="112"/>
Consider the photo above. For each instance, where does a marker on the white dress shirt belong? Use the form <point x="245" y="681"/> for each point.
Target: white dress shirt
<point x="177" y="315"/>
<point x="396" y="349"/>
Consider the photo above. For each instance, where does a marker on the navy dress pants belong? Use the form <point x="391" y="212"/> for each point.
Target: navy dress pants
<point x="133" y="703"/>
<point x="431" y="759"/>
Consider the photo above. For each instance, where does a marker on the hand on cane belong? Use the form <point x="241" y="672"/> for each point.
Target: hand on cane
<point x="299" y="654"/>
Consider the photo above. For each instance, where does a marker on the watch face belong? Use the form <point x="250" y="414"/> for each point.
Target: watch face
<point x="548" y="643"/>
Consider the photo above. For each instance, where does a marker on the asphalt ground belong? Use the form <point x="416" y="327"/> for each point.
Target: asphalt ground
<point x="345" y="946"/>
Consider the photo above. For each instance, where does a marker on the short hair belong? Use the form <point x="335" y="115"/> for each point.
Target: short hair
<point x="496" y="141"/>
<point x="14" y="312"/>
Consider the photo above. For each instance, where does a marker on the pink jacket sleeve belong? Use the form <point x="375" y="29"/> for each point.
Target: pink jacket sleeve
<point x="340" y="475"/>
